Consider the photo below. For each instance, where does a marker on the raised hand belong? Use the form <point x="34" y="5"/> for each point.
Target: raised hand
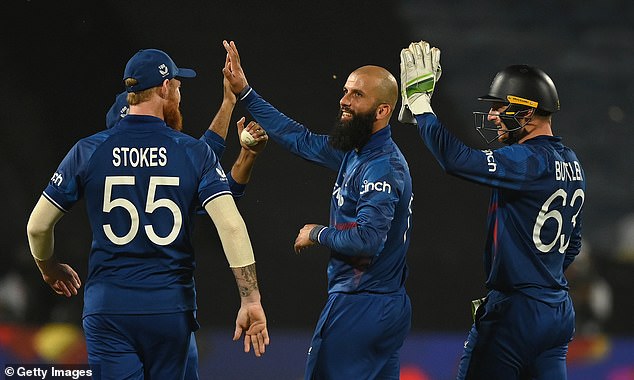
<point x="233" y="69"/>
<point x="420" y="70"/>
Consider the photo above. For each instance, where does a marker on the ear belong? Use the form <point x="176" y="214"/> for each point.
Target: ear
<point x="383" y="111"/>
<point x="528" y="114"/>
<point x="165" y="88"/>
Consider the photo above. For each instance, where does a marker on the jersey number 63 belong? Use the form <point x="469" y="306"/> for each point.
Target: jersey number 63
<point x="576" y="202"/>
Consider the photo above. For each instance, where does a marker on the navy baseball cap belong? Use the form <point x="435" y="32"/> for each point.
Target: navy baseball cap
<point x="150" y="67"/>
<point x="118" y="110"/>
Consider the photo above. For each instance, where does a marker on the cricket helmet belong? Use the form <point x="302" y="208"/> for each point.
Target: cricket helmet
<point x="523" y="88"/>
<point x="524" y="85"/>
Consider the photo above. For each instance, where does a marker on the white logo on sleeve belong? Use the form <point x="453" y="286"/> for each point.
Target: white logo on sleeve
<point x="163" y="70"/>
<point x="493" y="166"/>
<point x="375" y="186"/>
<point x="221" y="174"/>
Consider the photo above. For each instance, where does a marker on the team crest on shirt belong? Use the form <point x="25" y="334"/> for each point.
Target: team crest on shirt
<point x="336" y="193"/>
<point x="221" y="174"/>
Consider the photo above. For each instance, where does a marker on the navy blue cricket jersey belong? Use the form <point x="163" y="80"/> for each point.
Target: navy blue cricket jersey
<point x="217" y="145"/>
<point x="534" y="218"/>
<point x="370" y="211"/>
<point x="142" y="182"/>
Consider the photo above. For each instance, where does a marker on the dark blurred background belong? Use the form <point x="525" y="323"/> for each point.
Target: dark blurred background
<point x="63" y="64"/>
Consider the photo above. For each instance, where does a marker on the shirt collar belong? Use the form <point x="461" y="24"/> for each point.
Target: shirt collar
<point x="541" y="138"/>
<point x="377" y="139"/>
<point x="137" y="122"/>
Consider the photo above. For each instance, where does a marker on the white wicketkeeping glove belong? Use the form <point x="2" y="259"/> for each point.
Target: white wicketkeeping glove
<point x="420" y="70"/>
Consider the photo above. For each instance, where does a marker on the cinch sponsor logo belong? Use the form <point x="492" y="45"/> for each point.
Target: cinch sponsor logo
<point x="490" y="160"/>
<point x="375" y="186"/>
<point x="57" y="179"/>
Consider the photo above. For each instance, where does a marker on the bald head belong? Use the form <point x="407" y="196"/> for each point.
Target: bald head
<point x="384" y="83"/>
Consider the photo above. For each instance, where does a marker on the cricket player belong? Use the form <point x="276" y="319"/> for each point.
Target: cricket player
<point x="524" y="324"/>
<point x="368" y="313"/>
<point x="215" y="137"/>
<point x="143" y="181"/>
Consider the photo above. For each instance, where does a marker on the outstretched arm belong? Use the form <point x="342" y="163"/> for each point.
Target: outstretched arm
<point x="285" y="131"/>
<point x="237" y="247"/>
<point x="220" y="122"/>
<point x="40" y="231"/>
<point x="216" y="135"/>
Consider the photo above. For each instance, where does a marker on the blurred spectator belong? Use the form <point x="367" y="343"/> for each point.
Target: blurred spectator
<point x="590" y="292"/>
<point x="625" y="238"/>
<point x="13" y="297"/>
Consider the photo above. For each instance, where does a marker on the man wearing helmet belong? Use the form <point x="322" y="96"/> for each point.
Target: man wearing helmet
<point x="518" y="118"/>
<point x="522" y="327"/>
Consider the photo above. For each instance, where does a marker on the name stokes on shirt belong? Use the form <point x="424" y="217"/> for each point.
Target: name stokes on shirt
<point x="129" y="156"/>
<point x="139" y="157"/>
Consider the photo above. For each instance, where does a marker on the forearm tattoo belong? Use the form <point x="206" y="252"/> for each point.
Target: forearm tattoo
<point x="246" y="279"/>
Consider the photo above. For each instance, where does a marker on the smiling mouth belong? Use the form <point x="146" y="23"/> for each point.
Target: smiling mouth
<point x="346" y="115"/>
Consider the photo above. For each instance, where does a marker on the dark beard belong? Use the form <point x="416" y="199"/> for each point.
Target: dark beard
<point x="348" y="135"/>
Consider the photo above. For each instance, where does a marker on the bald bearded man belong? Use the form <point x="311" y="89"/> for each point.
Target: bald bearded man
<point x="368" y="313"/>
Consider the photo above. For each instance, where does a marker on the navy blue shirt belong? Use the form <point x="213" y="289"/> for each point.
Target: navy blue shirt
<point x="534" y="219"/>
<point x="370" y="208"/>
<point x="142" y="182"/>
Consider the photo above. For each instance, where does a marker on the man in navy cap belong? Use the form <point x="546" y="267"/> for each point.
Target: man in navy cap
<point x="238" y="177"/>
<point x="143" y="181"/>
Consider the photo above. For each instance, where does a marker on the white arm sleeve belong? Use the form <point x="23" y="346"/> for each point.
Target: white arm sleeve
<point x="232" y="231"/>
<point x="40" y="228"/>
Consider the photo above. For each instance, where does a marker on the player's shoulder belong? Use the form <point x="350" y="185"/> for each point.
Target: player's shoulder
<point x="390" y="163"/>
<point x="394" y="158"/>
<point x="98" y="136"/>
<point x="93" y="141"/>
<point x="523" y="150"/>
<point x="194" y="147"/>
<point x="181" y="139"/>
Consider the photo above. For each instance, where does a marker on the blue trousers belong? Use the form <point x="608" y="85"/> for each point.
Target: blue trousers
<point x="191" y="371"/>
<point x="139" y="347"/>
<point x="518" y="337"/>
<point x="358" y="336"/>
